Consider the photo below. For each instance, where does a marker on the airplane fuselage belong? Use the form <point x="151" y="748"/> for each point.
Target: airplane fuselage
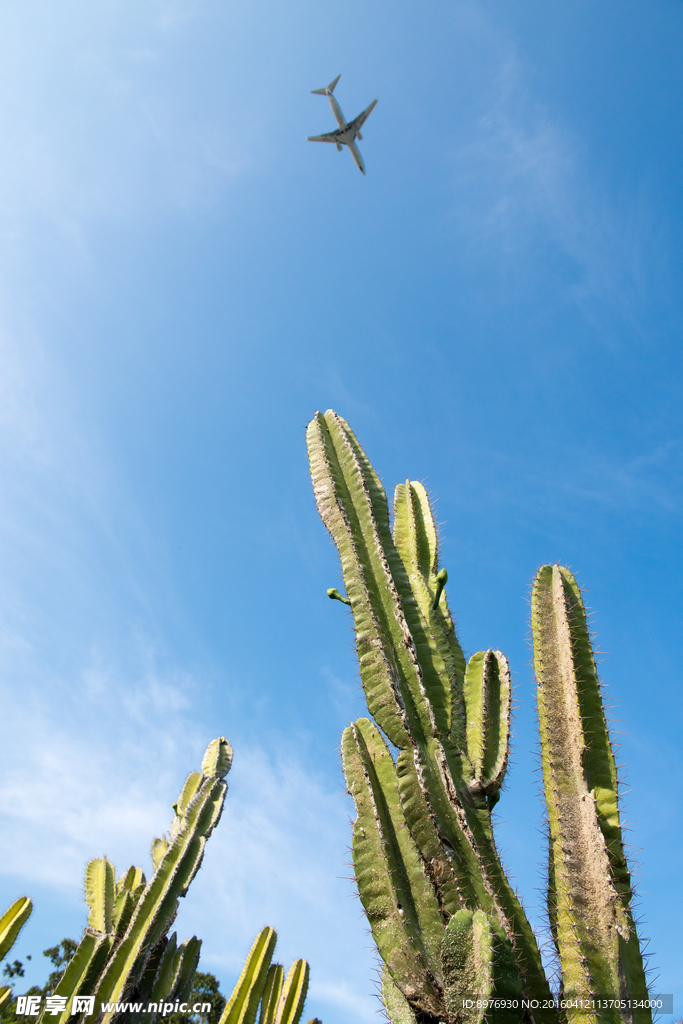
<point x="336" y="110"/>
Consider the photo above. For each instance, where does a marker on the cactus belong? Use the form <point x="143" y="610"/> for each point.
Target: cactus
<point x="427" y="771"/>
<point x="590" y="887"/>
<point x="11" y="923"/>
<point x="126" y="956"/>
<point x="263" y="990"/>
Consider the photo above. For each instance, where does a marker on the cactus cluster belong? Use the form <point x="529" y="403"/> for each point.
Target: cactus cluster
<point x="426" y="770"/>
<point x="126" y="955"/>
<point x="264" y="991"/>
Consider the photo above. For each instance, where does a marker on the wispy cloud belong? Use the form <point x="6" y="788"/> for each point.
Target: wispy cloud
<point x="529" y="196"/>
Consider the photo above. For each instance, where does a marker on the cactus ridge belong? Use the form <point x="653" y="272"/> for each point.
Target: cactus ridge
<point x="243" y="1005"/>
<point x="291" y="1002"/>
<point x="442" y="911"/>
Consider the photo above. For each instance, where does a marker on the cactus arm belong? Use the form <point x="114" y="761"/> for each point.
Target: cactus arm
<point x="185" y="964"/>
<point x="343" y="502"/>
<point x="100" y="891"/>
<point x="124" y="906"/>
<point x="159" y="847"/>
<point x="467" y="957"/>
<point x="189" y="790"/>
<point x="244" y="1001"/>
<point x="162" y="981"/>
<point x="293" y="996"/>
<point x="271" y="993"/>
<point x="416" y="540"/>
<point x="11" y="923"/>
<point x="598" y="760"/>
<point x="217" y="759"/>
<point x="421" y="917"/>
<point x="405" y="921"/>
<point x="81" y="970"/>
<point x="589" y="895"/>
<point x="414" y="532"/>
<point x="479" y="964"/>
<point x="488" y="697"/>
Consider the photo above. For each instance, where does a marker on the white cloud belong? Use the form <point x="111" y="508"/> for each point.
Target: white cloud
<point x="97" y="773"/>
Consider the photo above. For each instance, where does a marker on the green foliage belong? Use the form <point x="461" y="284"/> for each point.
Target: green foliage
<point x="59" y="956"/>
<point x="13" y="970"/>
<point x="446" y="921"/>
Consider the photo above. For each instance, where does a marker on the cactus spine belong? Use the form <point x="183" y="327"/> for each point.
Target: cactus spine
<point x="446" y="921"/>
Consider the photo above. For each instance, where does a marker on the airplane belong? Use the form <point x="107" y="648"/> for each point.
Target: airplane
<point x="346" y="134"/>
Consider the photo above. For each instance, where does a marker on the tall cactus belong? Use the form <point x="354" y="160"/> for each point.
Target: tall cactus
<point x="590" y="887"/>
<point x="446" y="921"/>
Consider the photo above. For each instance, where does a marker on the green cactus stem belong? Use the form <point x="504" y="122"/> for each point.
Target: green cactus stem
<point x="590" y="888"/>
<point x="262" y="988"/>
<point x="443" y="914"/>
<point x="426" y="817"/>
<point x="11" y="923"/>
<point x="243" y="1005"/>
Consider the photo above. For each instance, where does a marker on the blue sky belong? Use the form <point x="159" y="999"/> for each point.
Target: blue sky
<point x="496" y="310"/>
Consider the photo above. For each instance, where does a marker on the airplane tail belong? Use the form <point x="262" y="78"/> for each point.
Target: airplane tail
<point x="328" y="88"/>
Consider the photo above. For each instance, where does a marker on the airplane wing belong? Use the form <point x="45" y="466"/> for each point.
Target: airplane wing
<point x="329" y="137"/>
<point x="359" y="121"/>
